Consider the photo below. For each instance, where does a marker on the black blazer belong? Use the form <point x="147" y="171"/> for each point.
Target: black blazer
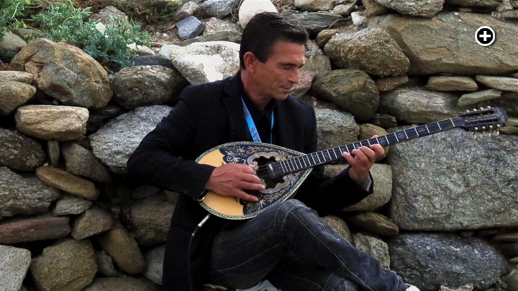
<point x="206" y="116"/>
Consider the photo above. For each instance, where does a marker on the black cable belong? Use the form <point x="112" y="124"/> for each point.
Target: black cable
<point x="202" y="222"/>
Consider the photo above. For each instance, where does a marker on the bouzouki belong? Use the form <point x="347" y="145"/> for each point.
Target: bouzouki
<point x="284" y="170"/>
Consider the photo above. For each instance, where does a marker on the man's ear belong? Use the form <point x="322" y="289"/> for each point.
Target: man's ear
<point x="250" y="61"/>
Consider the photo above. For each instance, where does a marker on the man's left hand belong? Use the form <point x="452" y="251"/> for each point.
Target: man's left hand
<point x="362" y="160"/>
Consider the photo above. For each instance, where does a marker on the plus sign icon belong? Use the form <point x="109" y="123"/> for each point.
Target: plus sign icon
<point x="485" y="36"/>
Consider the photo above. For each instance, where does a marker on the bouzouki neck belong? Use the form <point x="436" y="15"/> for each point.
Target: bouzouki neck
<point x="475" y="120"/>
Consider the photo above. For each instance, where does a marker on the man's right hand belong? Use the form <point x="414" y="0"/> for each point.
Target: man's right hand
<point x="232" y="179"/>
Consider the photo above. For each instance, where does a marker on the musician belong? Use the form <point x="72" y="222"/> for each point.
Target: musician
<point x="287" y="244"/>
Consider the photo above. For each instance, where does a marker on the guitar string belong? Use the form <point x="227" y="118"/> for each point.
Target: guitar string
<point x="262" y="170"/>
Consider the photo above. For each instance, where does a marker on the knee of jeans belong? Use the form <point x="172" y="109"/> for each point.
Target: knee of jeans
<point x="293" y="206"/>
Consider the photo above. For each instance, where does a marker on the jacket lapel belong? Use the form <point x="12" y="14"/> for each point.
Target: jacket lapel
<point x="234" y="106"/>
<point x="284" y="131"/>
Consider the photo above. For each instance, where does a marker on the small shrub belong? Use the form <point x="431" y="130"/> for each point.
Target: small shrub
<point x="62" y="22"/>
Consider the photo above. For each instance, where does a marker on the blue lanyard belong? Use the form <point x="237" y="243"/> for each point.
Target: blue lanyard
<point x="251" y="125"/>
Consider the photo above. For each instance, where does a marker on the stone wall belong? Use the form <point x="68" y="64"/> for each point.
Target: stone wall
<point x="444" y="210"/>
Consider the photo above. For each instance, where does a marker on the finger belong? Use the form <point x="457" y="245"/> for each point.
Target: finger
<point x="251" y="178"/>
<point x="369" y="154"/>
<point x="245" y="196"/>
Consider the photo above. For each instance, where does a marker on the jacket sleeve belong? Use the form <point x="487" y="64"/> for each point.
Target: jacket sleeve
<point x="328" y="194"/>
<point x="157" y="161"/>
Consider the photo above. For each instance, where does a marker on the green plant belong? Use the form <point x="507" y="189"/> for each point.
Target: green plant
<point x="63" y="22"/>
<point x="12" y="14"/>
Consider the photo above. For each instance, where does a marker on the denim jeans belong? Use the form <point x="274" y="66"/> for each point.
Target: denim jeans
<point x="294" y="250"/>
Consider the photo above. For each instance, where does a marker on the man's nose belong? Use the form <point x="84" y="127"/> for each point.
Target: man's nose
<point x="294" y="77"/>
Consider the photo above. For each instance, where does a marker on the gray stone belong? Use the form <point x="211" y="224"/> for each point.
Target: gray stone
<point x="117" y="140"/>
<point x="458" y="53"/>
<point x="382" y="179"/>
<point x="50" y="122"/>
<point x="131" y="86"/>
<point x="315" y="22"/>
<point x="66" y="265"/>
<point x="445" y="83"/>
<point x="124" y="250"/>
<point x="418" y="105"/>
<point x="314" y="5"/>
<point x="348" y="88"/>
<point x="23" y="195"/>
<point x="13" y="94"/>
<point x="17" y="76"/>
<point x="67" y="182"/>
<point x="373" y="222"/>
<point x="204" y="62"/>
<point x="19" y="152"/>
<point x="390" y="83"/>
<point x="71" y="204"/>
<point x="373" y="246"/>
<point x="499" y="83"/>
<point x="335" y="128"/>
<point x="19" y="230"/>
<point x="155" y="263"/>
<point x="105" y="264"/>
<point x="448" y="260"/>
<point x="53" y="152"/>
<point x="93" y="221"/>
<point x="10" y="44"/>
<point x="456" y="198"/>
<point x="151" y="218"/>
<point x="479" y="96"/>
<point x="82" y="162"/>
<point x="14" y="266"/>
<point x="475" y="3"/>
<point x="369" y="50"/>
<point x="217" y="8"/>
<point x="424" y="8"/>
<point x="65" y="72"/>
<point x="189" y="27"/>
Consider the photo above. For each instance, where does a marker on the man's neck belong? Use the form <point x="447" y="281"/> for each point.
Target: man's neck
<point x="259" y="101"/>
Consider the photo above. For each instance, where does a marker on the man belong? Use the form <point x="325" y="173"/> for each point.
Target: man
<point x="287" y="244"/>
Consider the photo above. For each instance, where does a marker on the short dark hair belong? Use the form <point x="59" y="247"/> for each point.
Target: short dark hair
<point x="264" y="30"/>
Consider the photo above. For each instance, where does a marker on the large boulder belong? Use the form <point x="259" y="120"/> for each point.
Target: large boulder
<point x="65" y="72"/>
<point x="458" y="52"/>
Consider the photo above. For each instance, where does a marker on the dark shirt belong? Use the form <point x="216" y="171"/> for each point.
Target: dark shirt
<point x="262" y="118"/>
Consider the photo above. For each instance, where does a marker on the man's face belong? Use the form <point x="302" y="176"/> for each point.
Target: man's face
<point x="280" y="72"/>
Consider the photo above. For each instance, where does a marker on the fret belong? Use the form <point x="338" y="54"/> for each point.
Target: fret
<point x="396" y="137"/>
<point x="378" y="140"/>
<point x="329" y="154"/>
<point x="404" y="131"/>
<point x="386" y="138"/>
<point x="369" y="143"/>
<point x="287" y="165"/>
<point x="354" y="146"/>
<point x="297" y="160"/>
<point x="292" y="167"/>
<point x="427" y="128"/>
<point x="439" y="126"/>
<point x="318" y="159"/>
<point x="283" y="168"/>
<point x="305" y="166"/>
<point x="323" y="157"/>
<point x="416" y="132"/>
<point x="334" y="152"/>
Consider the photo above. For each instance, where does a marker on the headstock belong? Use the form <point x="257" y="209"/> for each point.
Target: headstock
<point x="484" y="120"/>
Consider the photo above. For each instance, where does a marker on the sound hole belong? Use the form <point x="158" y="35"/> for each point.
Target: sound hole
<point x="265" y="176"/>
